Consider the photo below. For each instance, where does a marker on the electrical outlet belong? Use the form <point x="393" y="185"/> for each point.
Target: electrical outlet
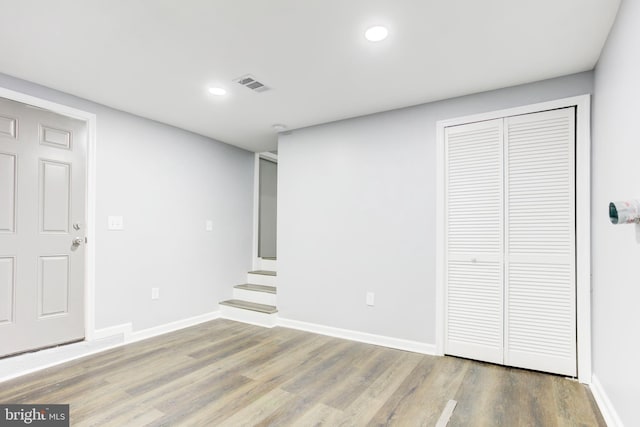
<point x="155" y="293"/>
<point x="371" y="297"/>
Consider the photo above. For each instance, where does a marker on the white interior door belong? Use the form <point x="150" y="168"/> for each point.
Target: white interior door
<point x="510" y="241"/>
<point x="540" y="258"/>
<point x="474" y="241"/>
<point x="42" y="228"/>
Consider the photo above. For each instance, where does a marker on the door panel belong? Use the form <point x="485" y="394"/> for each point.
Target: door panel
<point x="7" y="193"/>
<point x="55" y="137"/>
<point x="540" y="332"/>
<point x="8" y="126"/>
<point x="474" y="212"/>
<point x="7" y="285"/>
<point x="54" y="196"/>
<point x="540" y="297"/>
<point x="42" y="190"/>
<point x="54" y="285"/>
<point x="474" y="325"/>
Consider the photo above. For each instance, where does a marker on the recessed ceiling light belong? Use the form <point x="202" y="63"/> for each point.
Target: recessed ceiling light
<point x="279" y="127"/>
<point x="218" y="91"/>
<point x="377" y="33"/>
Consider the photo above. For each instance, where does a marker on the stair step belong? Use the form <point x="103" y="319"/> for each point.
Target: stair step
<point x="257" y="288"/>
<point x="260" y="308"/>
<point x="264" y="272"/>
<point x="268" y="264"/>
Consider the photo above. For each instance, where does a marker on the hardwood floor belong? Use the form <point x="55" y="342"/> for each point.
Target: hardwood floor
<point x="224" y="373"/>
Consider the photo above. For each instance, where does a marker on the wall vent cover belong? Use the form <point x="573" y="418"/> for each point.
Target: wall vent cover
<point x="252" y="83"/>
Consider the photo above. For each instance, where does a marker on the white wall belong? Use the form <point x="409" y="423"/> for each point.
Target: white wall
<point x="615" y="251"/>
<point x="166" y="182"/>
<point x="356" y="213"/>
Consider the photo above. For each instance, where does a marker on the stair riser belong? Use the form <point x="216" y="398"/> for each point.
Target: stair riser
<point x="248" y="316"/>
<point x="261" y="279"/>
<point x="253" y="296"/>
<point x="267" y="264"/>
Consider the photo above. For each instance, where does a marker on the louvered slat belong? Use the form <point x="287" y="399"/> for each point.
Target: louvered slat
<point x="474" y="238"/>
<point x="540" y="328"/>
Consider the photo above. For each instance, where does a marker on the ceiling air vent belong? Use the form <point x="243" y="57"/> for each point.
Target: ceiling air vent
<point x="250" y="82"/>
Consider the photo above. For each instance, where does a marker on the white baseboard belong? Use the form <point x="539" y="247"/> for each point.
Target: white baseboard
<point x="606" y="407"/>
<point x="124" y="330"/>
<point x="397" y="343"/>
<point x="119" y="335"/>
<point x="23" y="364"/>
<point x="169" y="327"/>
<point x="102" y="340"/>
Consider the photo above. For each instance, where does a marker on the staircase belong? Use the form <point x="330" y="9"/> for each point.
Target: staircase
<point x="255" y="301"/>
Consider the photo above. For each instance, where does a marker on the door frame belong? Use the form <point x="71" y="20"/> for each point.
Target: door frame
<point x="583" y="218"/>
<point x="256" y="265"/>
<point x="90" y="200"/>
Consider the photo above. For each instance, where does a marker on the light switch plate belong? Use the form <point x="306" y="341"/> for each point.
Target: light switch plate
<point x="371" y="297"/>
<point x="208" y="225"/>
<point x="155" y="293"/>
<point x="115" y="223"/>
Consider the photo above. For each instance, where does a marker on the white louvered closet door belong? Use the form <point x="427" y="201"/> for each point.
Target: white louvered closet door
<point x="540" y="299"/>
<point x="474" y="239"/>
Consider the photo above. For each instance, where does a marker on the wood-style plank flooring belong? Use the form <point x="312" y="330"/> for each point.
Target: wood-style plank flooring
<point x="224" y="373"/>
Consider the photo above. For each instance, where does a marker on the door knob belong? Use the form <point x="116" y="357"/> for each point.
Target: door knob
<point x="78" y="241"/>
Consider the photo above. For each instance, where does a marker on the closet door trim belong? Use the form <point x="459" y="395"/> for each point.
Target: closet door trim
<point x="583" y="219"/>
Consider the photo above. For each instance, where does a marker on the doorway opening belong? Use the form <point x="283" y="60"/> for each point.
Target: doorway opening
<point x="267" y="207"/>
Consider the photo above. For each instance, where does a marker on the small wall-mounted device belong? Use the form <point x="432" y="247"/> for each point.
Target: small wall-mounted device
<point x="625" y="212"/>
